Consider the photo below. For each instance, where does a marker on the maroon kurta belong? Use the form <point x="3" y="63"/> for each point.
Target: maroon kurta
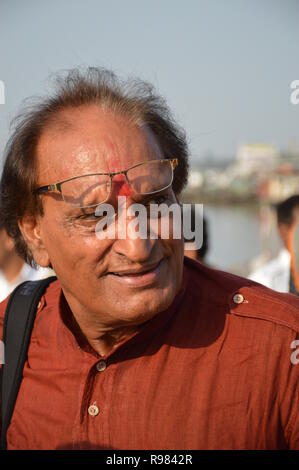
<point x="214" y="371"/>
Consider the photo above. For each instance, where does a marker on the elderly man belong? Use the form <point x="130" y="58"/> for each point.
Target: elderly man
<point x="133" y="346"/>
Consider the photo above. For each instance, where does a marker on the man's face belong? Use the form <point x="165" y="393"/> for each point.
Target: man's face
<point x="104" y="276"/>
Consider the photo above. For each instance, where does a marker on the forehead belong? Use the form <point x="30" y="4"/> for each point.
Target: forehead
<point x="89" y="140"/>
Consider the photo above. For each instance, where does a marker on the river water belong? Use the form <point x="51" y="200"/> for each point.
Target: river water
<point x="238" y="234"/>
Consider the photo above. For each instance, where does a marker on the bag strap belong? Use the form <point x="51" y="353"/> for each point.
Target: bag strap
<point x="18" y="323"/>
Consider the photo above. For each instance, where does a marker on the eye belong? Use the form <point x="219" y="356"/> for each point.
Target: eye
<point x="91" y="217"/>
<point x="159" y="199"/>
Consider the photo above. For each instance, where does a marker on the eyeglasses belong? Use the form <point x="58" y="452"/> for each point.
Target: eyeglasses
<point x="90" y="190"/>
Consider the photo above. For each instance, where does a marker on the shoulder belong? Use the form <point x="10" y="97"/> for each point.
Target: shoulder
<point x="49" y="297"/>
<point x="243" y="297"/>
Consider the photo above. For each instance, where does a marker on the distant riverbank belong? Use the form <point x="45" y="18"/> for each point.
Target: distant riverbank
<point x="223" y="198"/>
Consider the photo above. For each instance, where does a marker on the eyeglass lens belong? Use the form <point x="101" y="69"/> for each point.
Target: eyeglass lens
<point x="91" y="190"/>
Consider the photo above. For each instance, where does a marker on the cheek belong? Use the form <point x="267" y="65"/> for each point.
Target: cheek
<point x="71" y="247"/>
<point x="175" y="250"/>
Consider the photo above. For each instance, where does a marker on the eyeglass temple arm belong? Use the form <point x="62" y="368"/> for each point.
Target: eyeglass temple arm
<point x="174" y="163"/>
<point x="49" y="187"/>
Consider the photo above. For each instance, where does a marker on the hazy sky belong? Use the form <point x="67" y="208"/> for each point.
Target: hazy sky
<point x="225" y="66"/>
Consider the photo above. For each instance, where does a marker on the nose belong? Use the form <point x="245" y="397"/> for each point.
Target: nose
<point x="137" y="250"/>
<point x="120" y="186"/>
<point x="136" y="247"/>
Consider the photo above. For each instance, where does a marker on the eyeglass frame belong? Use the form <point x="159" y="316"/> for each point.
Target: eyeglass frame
<point x="56" y="187"/>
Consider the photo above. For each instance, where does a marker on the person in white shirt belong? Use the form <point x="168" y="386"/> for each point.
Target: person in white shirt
<point x="277" y="274"/>
<point x="13" y="269"/>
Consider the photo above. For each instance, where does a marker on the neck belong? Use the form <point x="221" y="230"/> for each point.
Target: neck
<point x="103" y="336"/>
<point x="12" y="266"/>
<point x="105" y="343"/>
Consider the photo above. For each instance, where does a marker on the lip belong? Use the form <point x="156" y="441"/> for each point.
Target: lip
<point x="139" y="278"/>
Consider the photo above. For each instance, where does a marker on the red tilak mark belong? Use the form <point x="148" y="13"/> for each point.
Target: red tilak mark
<point x="125" y="190"/>
<point x="120" y="186"/>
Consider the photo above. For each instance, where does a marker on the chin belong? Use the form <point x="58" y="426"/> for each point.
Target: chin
<point x="145" y="308"/>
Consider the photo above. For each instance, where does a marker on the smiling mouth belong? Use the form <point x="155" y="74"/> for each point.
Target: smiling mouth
<point x="136" y="273"/>
<point x="141" y="278"/>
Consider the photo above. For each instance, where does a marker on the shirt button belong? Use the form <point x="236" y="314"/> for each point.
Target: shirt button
<point x="93" y="410"/>
<point x="238" y="298"/>
<point x="101" y="365"/>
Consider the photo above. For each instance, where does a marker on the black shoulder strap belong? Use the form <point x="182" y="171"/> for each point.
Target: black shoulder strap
<point x="18" y="323"/>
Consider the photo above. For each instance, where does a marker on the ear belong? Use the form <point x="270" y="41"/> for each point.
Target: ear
<point x="30" y="228"/>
